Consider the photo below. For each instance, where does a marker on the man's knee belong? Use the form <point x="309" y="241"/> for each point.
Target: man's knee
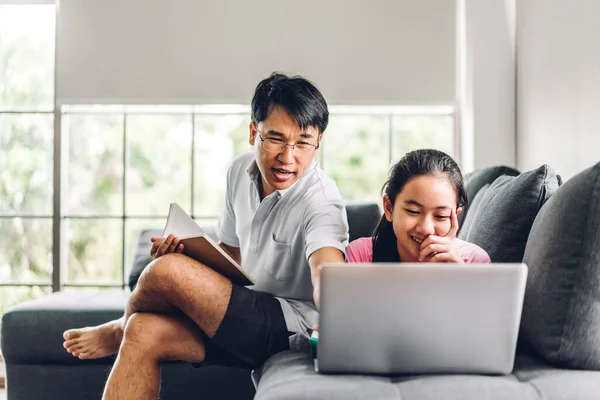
<point x="143" y="331"/>
<point x="158" y="275"/>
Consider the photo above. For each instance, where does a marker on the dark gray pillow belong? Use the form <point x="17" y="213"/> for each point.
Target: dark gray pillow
<point x="362" y="219"/>
<point x="476" y="180"/>
<point x="508" y="207"/>
<point x="561" y="312"/>
<point x="475" y="207"/>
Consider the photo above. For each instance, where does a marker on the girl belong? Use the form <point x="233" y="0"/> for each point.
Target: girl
<point x="422" y="197"/>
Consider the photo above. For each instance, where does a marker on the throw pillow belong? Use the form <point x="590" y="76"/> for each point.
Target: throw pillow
<point x="507" y="211"/>
<point x="478" y="179"/>
<point x="475" y="180"/>
<point x="475" y="207"/>
<point x="561" y="311"/>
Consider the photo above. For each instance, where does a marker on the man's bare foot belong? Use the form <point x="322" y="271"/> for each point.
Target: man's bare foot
<point x="94" y="342"/>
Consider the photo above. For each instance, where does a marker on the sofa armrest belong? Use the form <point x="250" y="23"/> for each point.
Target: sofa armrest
<point x="32" y="331"/>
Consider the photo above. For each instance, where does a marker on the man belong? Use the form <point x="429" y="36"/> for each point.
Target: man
<point x="283" y="218"/>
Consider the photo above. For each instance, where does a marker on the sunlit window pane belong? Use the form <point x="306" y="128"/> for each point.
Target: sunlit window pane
<point x="95" y="249"/>
<point x="423" y="132"/>
<point x="27" y="57"/>
<point x="219" y="139"/>
<point x="25" y="249"/>
<point x="94" y="164"/>
<point x="159" y="157"/>
<point x="26" y="157"/>
<point x="356" y="155"/>
<point x="13" y="295"/>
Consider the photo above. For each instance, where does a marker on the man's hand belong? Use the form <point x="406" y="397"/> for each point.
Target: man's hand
<point x="162" y="246"/>
<point x="316" y="259"/>
<point x="442" y="248"/>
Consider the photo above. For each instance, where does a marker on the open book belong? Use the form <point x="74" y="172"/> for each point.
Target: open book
<point x="197" y="245"/>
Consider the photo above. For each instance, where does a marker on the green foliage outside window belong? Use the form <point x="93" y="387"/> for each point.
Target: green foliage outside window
<point x="26" y="152"/>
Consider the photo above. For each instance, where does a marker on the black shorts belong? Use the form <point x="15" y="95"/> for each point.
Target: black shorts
<point x="252" y="330"/>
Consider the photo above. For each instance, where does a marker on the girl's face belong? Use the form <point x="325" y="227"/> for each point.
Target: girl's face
<point x="421" y="209"/>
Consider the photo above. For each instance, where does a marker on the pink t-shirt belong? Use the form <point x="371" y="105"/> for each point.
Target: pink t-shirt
<point x="361" y="250"/>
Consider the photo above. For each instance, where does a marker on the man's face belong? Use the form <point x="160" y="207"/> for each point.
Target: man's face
<point x="280" y="169"/>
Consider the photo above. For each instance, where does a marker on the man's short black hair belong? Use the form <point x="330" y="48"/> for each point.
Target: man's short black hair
<point x="296" y="94"/>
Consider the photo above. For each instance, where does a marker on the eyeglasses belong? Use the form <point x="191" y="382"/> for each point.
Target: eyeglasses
<point x="275" y="145"/>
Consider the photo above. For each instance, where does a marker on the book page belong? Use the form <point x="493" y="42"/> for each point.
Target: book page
<point x="180" y="224"/>
<point x="201" y="248"/>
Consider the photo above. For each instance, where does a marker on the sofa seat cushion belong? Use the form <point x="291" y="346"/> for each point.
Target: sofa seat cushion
<point x="561" y="310"/>
<point x="32" y="331"/>
<point x="291" y="375"/>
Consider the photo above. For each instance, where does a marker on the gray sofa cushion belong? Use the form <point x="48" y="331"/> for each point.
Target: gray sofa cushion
<point x="508" y="208"/>
<point x="474" y="208"/>
<point x="37" y="326"/>
<point x="291" y="375"/>
<point x="362" y="219"/>
<point x="561" y="312"/>
<point x="478" y="179"/>
<point x="475" y="180"/>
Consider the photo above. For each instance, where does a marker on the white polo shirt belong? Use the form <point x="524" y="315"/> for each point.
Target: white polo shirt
<point x="277" y="236"/>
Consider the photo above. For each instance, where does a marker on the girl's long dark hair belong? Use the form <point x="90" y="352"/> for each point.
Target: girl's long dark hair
<point x="415" y="163"/>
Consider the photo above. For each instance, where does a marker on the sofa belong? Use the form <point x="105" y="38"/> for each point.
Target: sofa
<point x="532" y="217"/>
<point x="529" y="216"/>
<point x="38" y="367"/>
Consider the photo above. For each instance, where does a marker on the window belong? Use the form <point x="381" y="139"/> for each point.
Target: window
<point x="121" y="166"/>
<point x="361" y="143"/>
<point x="26" y="151"/>
<point x="126" y="164"/>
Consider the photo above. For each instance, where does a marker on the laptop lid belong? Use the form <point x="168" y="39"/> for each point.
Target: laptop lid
<point x="420" y="318"/>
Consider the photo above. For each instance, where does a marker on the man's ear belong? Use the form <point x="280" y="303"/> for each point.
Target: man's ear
<point x="458" y="210"/>
<point x="388" y="208"/>
<point x="319" y="138"/>
<point x="253" y="132"/>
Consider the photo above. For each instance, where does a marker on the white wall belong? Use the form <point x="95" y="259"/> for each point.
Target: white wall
<point x="558" y="94"/>
<point x="486" y="82"/>
<point x="191" y="51"/>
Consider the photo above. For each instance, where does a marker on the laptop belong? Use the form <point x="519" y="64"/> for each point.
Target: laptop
<point x="422" y="318"/>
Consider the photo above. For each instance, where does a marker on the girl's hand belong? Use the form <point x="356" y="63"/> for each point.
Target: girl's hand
<point x="162" y="246"/>
<point x="442" y="248"/>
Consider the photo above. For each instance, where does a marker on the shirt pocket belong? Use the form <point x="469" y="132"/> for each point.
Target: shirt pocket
<point x="279" y="261"/>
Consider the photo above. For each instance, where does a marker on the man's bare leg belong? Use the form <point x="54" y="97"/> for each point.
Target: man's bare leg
<point x="149" y="339"/>
<point x="175" y="283"/>
<point x="170" y="283"/>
